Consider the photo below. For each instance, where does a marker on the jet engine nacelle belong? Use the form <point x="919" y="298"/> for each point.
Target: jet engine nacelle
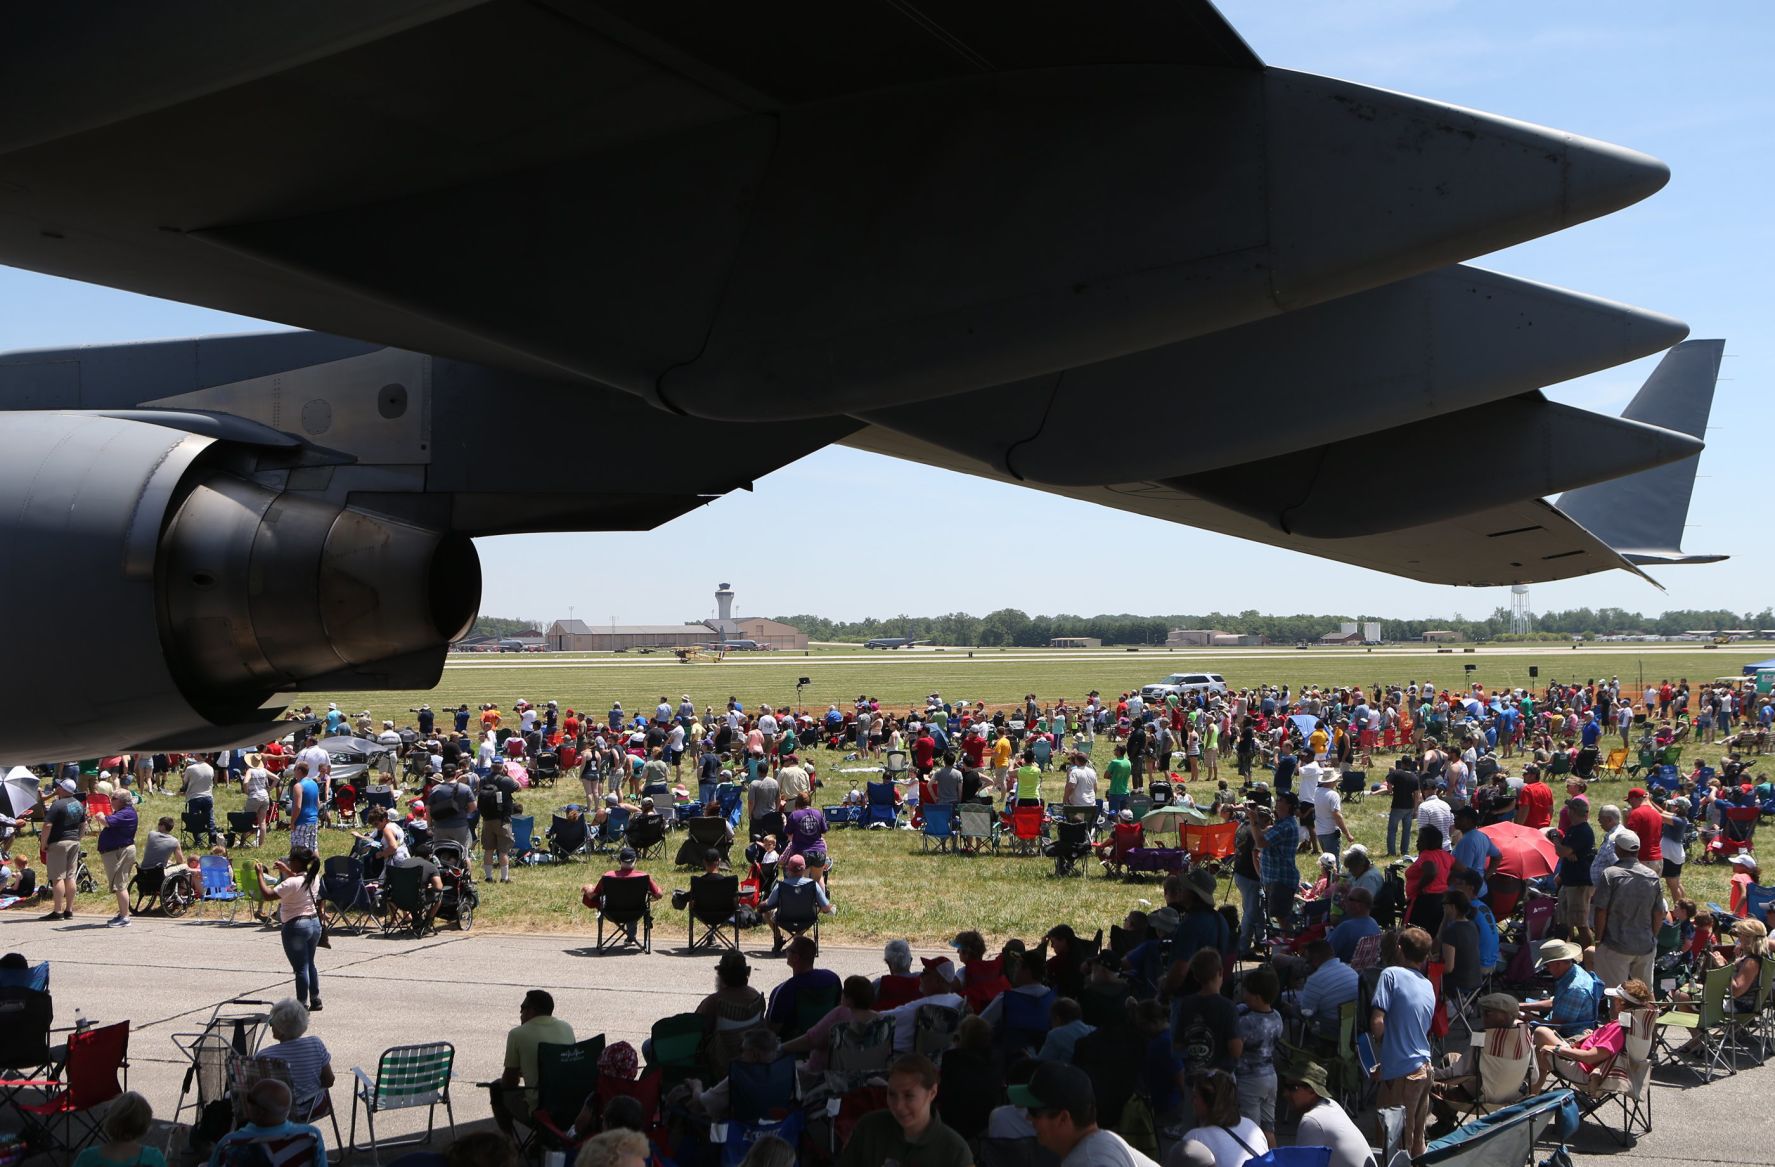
<point x="164" y="587"/>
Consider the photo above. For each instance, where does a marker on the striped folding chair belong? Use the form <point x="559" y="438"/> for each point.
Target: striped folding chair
<point x="407" y="1076"/>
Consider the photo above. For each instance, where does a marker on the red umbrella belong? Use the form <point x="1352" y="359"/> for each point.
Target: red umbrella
<point x="1527" y="852"/>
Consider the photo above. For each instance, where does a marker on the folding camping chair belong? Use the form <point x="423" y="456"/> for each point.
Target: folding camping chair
<point x="407" y="1076"/>
<point x="896" y="766"/>
<point x="409" y="903"/>
<point x="974" y="821"/>
<point x="701" y="834"/>
<point x="524" y="840"/>
<point x="201" y="826"/>
<point x="933" y="1030"/>
<point x="246" y="1072"/>
<point x="243" y="829"/>
<point x="797" y="910"/>
<point x="646" y="834"/>
<point x="611" y="830"/>
<point x="89" y="1079"/>
<point x="566" y="1075"/>
<point x="1027" y="826"/>
<point x="1703" y="1022"/>
<point x="218" y="884"/>
<point x="1737" y="833"/>
<point x="1615" y="764"/>
<point x="1626" y="1078"/>
<point x="26" y="1015"/>
<point x="763" y="1099"/>
<point x="1023" y="1023"/>
<point x="675" y="1047"/>
<point x="1504" y="1065"/>
<point x="567" y="836"/>
<point x="712" y="907"/>
<point x="348" y="897"/>
<point x="880" y="807"/>
<point x="627" y="908"/>
<point x="939" y="826"/>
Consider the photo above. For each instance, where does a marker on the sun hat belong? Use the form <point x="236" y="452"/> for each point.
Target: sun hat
<point x="1310" y="1074"/>
<point x="1552" y="950"/>
<point x="1620" y="993"/>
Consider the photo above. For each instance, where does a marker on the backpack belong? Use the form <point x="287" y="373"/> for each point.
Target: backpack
<point x="494" y="802"/>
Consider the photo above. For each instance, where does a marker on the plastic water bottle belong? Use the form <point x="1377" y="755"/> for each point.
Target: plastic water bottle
<point x="80" y="1021"/>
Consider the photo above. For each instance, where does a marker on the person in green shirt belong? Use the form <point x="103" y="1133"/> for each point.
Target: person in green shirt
<point x="1029" y="781"/>
<point x="907" y="1133"/>
<point x="1120" y="773"/>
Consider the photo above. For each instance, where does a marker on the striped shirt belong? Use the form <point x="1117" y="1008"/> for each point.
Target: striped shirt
<point x="306" y="1056"/>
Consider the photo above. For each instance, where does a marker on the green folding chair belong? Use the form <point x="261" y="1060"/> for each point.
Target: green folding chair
<point x="407" y="1076"/>
<point x="1703" y="1022"/>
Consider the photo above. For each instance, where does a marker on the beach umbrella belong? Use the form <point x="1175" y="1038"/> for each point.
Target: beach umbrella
<point x="1174" y="815"/>
<point x="19" y="791"/>
<point x="1527" y="852"/>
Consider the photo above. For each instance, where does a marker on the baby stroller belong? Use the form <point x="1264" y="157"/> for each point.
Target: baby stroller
<point x="460" y="899"/>
<point x="1160" y="793"/>
<point x="1072" y="843"/>
<point x="547" y="768"/>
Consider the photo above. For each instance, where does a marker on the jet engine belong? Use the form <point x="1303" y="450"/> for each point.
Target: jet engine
<point x="188" y="584"/>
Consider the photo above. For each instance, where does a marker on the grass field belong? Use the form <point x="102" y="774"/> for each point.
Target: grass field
<point x="884" y="885"/>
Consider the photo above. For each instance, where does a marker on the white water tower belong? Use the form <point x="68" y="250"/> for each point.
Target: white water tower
<point x="1520" y="617"/>
<point x="724" y="604"/>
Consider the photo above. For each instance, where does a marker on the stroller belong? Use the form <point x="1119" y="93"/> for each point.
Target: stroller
<point x="1160" y="792"/>
<point x="460" y="899"/>
<point x="547" y="768"/>
<point x="1072" y="843"/>
<point x="234" y="1031"/>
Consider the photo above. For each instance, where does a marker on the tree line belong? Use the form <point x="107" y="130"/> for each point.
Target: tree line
<point x="1011" y="628"/>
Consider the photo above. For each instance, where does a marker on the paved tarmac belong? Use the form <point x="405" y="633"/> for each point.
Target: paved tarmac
<point x="168" y="977"/>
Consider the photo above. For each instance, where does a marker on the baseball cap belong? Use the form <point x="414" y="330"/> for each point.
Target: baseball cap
<point x="1055" y="1086"/>
<point x="1501" y="1002"/>
<point x="1638" y="792"/>
<point x="1627" y="843"/>
<point x="941" y="965"/>
<point x="66" y="786"/>
<point x="1743" y="860"/>
<point x="626" y="855"/>
<point x="795" y="863"/>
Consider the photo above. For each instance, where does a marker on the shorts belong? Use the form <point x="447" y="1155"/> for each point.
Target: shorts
<point x="256" y="806"/>
<point x="62" y="860"/>
<point x="119" y="865"/>
<point x="1257" y="1099"/>
<point x="306" y="836"/>
<point x="1672" y="870"/>
<point x="496" y="836"/>
<point x="1574" y="906"/>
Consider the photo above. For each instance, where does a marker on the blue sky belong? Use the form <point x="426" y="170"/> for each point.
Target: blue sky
<point x="1674" y="80"/>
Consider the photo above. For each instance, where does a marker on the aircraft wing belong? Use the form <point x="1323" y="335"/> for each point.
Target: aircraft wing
<point x="1500" y="544"/>
<point x="1098" y="250"/>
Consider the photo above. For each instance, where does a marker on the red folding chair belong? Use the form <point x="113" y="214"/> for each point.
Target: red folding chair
<point x="90" y="1078"/>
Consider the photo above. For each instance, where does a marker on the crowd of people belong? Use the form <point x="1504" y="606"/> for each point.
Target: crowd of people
<point x="1194" y="1029"/>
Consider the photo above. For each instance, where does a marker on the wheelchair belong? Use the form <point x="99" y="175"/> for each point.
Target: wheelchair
<point x="172" y="889"/>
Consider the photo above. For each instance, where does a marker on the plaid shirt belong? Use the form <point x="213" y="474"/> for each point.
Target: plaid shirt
<point x="1280" y="843"/>
<point x="1575" y="1000"/>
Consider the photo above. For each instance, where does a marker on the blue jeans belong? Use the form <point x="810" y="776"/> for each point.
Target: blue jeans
<point x="1404" y="820"/>
<point x="1328" y="844"/>
<point x="301" y="937"/>
<point x="1249" y="909"/>
<point x="204" y="805"/>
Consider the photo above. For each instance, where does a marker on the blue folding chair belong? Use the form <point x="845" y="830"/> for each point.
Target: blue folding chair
<point x="218" y="884"/>
<point x="1757" y="901"/>
<point x="879" y="805"/>
<point x="1023" y="1021"/>
<point x="524" y="839"/>
<point x="612" y="829"/>
<point x="35" y="977"/>
<point x="346" y="893"/>
<point x="763" y="1099"/>
<point x="727" y="797"/>
<point x="939" y="826"/>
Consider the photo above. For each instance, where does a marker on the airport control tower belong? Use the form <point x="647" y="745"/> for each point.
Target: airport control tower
<point x="724" y="610"/>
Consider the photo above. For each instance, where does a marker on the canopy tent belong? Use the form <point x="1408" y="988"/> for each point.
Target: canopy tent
<point x="1753" y="670"/>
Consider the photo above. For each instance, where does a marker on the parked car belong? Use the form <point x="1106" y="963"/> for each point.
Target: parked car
<point x="1181" y="683"/>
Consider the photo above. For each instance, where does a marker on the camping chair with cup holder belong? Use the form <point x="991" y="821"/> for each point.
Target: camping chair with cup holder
<point x="409" y="902"/>
<point x="628" y="910"/>
<point x="711" y="909"/>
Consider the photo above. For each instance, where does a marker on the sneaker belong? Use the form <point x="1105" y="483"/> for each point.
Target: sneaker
<point x="776" y="949"/>
<point x="315" y="1006"/>
<point x="118" y="922"/>
<point x="51" y="916"/>
<point x="68" y="915"/>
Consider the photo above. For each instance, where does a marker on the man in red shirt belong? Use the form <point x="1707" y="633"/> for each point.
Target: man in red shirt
<point x="1534" y="802"/>
<point x="924" y="753"/>
<point x="1644" y="820"/>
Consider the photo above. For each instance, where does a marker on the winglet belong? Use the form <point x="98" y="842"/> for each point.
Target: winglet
<point x="1642" y="515"/>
